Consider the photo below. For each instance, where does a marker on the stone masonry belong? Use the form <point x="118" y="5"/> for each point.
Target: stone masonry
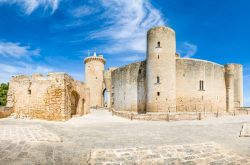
<point x="54" y="97"/>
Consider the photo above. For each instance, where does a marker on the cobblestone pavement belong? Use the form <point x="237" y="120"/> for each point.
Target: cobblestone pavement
<point x="245" y="132"/>
<point x="45" y="142"/>
<point x="200" y="154"/>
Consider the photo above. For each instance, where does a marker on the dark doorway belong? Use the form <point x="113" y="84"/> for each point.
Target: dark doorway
<point x="74" y="102"/>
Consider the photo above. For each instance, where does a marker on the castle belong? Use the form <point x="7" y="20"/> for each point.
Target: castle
<point x="164" y="82"/>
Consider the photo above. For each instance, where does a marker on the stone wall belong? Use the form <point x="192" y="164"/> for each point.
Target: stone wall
<point x="176" y="116"/>
<point x="189" y="95"/>
<point x="5" y="112"/>
<point x="56" y="96"/>
<point x="129" y="92"/>
<point x="128" y="88"/>
<point x="108" y="87"/>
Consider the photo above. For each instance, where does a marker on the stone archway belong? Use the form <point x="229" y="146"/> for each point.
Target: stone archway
<point x="105" y="98"/>
<point x="74" y="102"/>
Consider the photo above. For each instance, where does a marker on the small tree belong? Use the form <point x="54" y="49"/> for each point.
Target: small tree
<point x="3" y="93"/>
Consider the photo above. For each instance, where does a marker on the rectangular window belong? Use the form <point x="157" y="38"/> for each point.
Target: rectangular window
<point x="29" y="92"/>
<point x="158" y="79"/>
<point x="201" y="85"/>
<point x="158" y="93"/>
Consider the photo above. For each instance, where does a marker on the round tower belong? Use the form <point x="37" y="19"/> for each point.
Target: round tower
<point x="229" y="78"/>
<point x="94" y="77"/>
<point x="161" y="70"/>
<point x="238" y="85"/>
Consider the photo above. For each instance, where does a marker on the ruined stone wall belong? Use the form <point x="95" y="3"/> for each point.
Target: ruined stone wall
<point x="128" y="88"/>
<point x="189" y="96"/>
<point x="47" y="97"/>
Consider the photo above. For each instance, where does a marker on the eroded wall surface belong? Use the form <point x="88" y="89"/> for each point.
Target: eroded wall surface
<point x="47" y="97"/>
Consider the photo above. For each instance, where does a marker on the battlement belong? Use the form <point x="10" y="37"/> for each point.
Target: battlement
<point x="36" y="76"/>
<point x="95" y="58"/>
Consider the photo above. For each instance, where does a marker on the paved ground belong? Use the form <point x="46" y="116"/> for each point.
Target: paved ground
<point x="42" y="142"/>
<point x="200" y="154"/>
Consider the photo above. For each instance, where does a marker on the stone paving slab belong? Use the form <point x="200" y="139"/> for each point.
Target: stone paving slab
<point x="245" y="131"/>
<point x="191" y="154"/>
<point x="27" y="133"/>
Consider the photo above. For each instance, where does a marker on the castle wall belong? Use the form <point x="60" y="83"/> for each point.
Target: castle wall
<point x="128" y="88"/>
<point x="108" y="86"/>
<point x="47" y="97"/>
<point x="189" y="96"/>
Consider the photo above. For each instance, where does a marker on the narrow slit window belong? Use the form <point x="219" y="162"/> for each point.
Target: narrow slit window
<point x="158" y="56"/>
<point x="158" y="79"/>
<point x="29" y="92"/>
<point x="201" y="85"/>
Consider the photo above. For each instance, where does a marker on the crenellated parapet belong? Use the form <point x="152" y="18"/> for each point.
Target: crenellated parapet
<point x="95" y="58"/>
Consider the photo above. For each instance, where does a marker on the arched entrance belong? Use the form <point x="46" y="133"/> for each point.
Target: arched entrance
<point x="74" y="102"/>
<point x="105" y="98"/>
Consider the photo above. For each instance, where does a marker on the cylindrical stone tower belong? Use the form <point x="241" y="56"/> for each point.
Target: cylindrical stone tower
<point x="229" y="78"/>
<point x="238" y="85"/>
<point x="161" y="70"/>
<point x="94" y="75"/>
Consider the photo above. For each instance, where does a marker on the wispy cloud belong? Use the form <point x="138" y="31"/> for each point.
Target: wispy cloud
<point x="8" y="70"/>
<point x="132" y="58"/>
<point x="17" y="50"/>
<point x="125" y="24"/>
<point x="83" y="11"/>
<point x="29" y="6"/>
<point x="187" y="49"/>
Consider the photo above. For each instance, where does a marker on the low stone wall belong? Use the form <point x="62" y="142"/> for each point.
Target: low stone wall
<point x="5" y="112"/>
<point x="176" y="116"/>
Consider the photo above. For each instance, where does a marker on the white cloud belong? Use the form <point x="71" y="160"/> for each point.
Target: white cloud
<point x="8" y="70"/>
<point x="31" y="5"/>
<point x="83" y="11"/>
<point x="125" y="24"/>
<point x="187" y="50"/>
<point x="132" y="58"/>
<point x="16" y="50"/>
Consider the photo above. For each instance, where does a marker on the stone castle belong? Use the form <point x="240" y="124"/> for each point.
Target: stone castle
<point x="164" y="82"/>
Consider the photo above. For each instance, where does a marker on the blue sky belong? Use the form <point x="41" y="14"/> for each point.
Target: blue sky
<point x="55" y="35"/>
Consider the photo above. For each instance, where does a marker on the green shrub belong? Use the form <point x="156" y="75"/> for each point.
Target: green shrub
<point x="3" y="93"/>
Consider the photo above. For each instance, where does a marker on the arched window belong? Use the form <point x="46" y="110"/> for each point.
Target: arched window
<point x="158" y="79"/>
